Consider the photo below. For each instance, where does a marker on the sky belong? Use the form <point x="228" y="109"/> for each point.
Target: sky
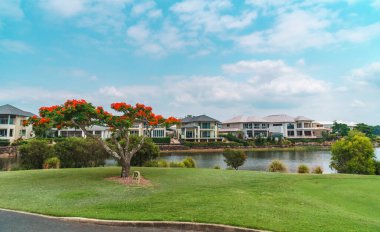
<point x="223" y="58"/>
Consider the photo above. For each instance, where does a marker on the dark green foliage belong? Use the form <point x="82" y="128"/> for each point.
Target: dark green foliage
<point x="232" y="138"/>
<point x="365" y="129"/>
<point x="80" y="152"/>
<point x="354" y="154"/>
<point x="34" y="153"/>
<point x="165" y="140"/>
<point x="211" y="144"/>
<point x="52" y="162"/>
<point x="277" y="166"/>
<point x="148" y="151"/>
<point x="340" y="129"/>
<point x="4" y="142"/>
<point x="377" y="167"/>
<point x="376" y="130"/>
<point x="234" y="158"/>
<point x="303" y="168"/>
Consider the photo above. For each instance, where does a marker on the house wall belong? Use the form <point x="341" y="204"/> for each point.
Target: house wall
<point x="14" y="126"/>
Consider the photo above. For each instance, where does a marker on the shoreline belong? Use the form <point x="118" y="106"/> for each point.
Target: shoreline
<point x="257" y="149"/>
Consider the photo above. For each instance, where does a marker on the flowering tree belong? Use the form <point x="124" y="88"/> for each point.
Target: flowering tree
<point x="81" y="114"/>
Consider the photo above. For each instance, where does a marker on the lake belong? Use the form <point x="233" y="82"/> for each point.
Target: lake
<point x="260" y="160"/>
<point x="257" y="160"/>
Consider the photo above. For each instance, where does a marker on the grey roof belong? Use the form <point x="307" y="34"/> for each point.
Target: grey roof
<point x="242" y="118"/>
<point x="200" y="118"/>
<point x="11" y="110"/>
<point x="279" y="118"/>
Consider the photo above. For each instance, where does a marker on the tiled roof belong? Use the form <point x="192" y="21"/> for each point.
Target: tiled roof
<point x="11" y="110"/>
<point x="303" y="118"/>
<point x="279" y="118"/>
<point x="200" y="118"/>
<point x="242" y="118"/>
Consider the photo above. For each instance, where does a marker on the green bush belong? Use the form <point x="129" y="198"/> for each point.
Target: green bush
<point x="318" y="170"/>
<point x="34" y="153"/>
<point x="277" y="166"/>
<point x="163" y="164"/>
<point x="19" y="142"/>
<point x="303" y="168"/>
<point x="4" y="142"/>
<point x="377" y="167"/>
<point x="80" y="152"/>
<point x="353" y="154"/>
<point x="232" y="138"/>
<point x="148" y="151"/>
<point x="52" y="162"/>
<point x="165" y="140"/>
<point x="151" y="163"/>
<point x="176" y="165"/>
<point x="211" y="144"/>
<point x="216" y="167"/>
<point x="189" y="162"/>
<point x="234" y="158"/>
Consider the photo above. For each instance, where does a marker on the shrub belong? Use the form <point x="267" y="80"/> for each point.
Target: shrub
<point x="151" y="163"/>
<point x="34" y="153"/>
<point x="189" y="162"/>
<point x="277" y="166"/>
<point x="165" y="140"/>
<point x="80" y="152"/>
<point x="234" y="158"/>
<point x="176" y="165"/>
<point x="216" y="167"/>
<point x="303" y="168"/>
<point x="52" y="162"/>
<point x="163" y="164"/>
<point x="4" y="142"/>
<point x="211" y="144"/>
<point x="353" y="154"/>
<point x="148" y="151"/>
<point x="318" y="170"/>
<point x="231" y="137"/>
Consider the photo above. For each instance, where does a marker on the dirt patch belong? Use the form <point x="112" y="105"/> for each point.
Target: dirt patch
<point x="130" y="182"/>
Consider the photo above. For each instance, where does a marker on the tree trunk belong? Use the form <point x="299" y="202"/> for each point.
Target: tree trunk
<point x="125" y="167"/>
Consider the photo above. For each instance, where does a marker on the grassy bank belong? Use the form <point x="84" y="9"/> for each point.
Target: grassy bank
<point x="279" y="202"/>
<point x="295" y="148"/>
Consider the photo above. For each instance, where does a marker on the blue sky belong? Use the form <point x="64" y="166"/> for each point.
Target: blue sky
<point x="223" y="58"/>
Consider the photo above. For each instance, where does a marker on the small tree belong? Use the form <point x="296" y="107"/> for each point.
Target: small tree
<point x="340" y="129"/>
<point x="34" y="153"/>
<point x="80" y="114"/>
<point x="234" y="158"/>
<point x="353" y="154"/>
<point x="148" y="151"/>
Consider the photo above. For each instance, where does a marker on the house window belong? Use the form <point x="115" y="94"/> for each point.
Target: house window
<point x="189" y="134"/>
<point x="205" y="125"/>
<point x="134" y="132"/>
<point x="247" y="125"/>
<point x="290" y="126"/>
<point x="299" y="125"/>
<point x="307" y="133"/>
<point x="307" y="125"/>
<point x="257" y="125"/>
<point x="299" y="133"/>
<point x="206" y="134"/>
<point x="3" y="132"/>
<point x="290" y="133"/>
<point x="249" y="134"/>
<point x="11" y="133"/>
<point x="158" y="133"/>
<point x="228" y="125"/>
<point x="98" y="133"/>
<point x="277" y="124"/>
<point x="264" y="126"/>
<point x="4" y="121"/>
<point x="23" y="132"/>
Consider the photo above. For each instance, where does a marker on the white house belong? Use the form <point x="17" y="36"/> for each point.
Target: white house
<point x="274" y="125"/>
<point x="199" y="128"/>
<point x="11" y="123"/>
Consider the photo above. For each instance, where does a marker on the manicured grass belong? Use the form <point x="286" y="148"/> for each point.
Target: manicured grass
<point x="278" y="202"/>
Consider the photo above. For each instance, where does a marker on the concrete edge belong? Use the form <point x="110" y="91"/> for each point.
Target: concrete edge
<point x="146" y="224"/>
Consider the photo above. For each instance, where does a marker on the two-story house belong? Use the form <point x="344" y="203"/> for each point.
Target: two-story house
<point x="199" y="128"/>
<point x="11" y="123"/>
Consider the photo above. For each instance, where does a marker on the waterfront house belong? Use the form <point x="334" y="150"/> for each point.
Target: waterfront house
<point x="281" y="125"/>
<point x="199" y="128"/>
<point x="11" y="123"/>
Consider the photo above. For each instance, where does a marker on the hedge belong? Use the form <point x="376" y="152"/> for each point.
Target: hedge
<point x="211" y="144"/>
<point x="165" y="140"/>
<point x="4" y="142"/>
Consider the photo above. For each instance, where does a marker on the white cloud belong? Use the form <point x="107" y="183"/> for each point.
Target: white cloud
<point x="138" y="32"/>
<point x="10" y="10"/>
<point x="367" y="75"/>
<point x="376" y="4"/>
<point x="143" y="7"/>
<point x="358" y="104"/>
<point x="207" y="15"/>
<point x="14" y="46"/>
<point x="64" y="8"/>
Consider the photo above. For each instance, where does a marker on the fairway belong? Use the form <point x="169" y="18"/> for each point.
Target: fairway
<point x="271" y="201"/>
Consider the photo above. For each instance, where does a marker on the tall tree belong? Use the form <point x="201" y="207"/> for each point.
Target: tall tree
<point x="366" y="129"/>
<point x="340" y="129"/>
<point x="81" y="114"/>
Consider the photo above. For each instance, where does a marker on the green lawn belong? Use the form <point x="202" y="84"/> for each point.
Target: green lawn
<point x="278" y="202"/>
